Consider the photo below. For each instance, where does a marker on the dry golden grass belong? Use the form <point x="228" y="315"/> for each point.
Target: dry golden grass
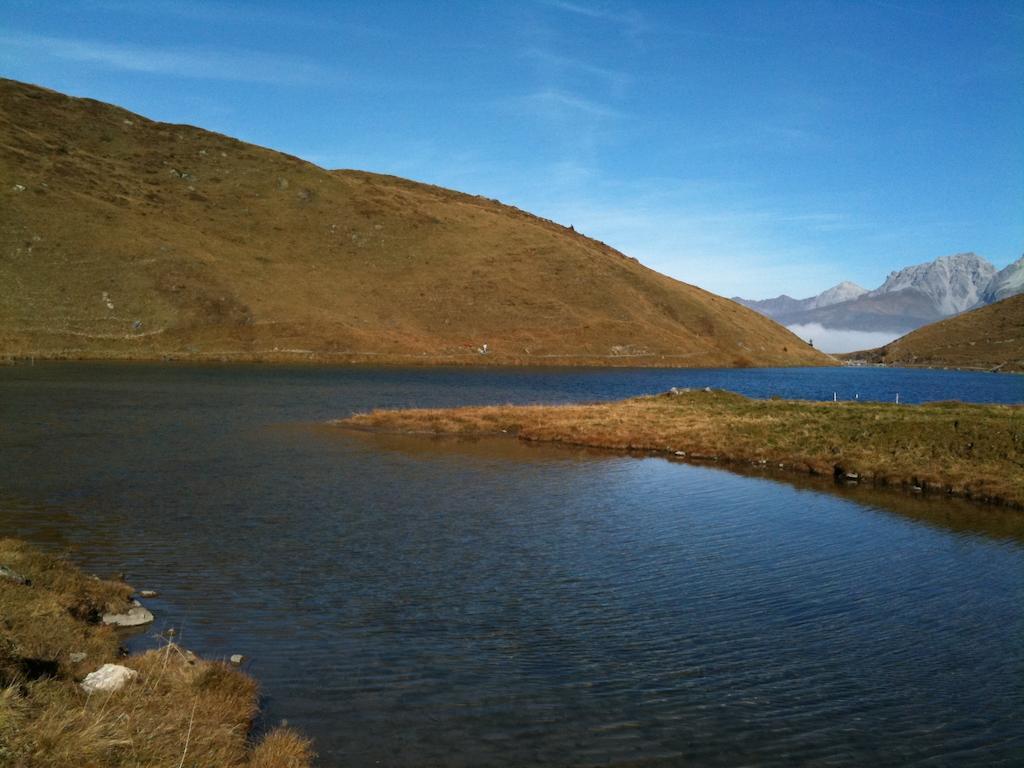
<point x="975" y="451"/>
<point x="989" y="338"/>
<point x="179" y="711"/>
<point x="56" y="616"/>
<point x="137" y="239"/>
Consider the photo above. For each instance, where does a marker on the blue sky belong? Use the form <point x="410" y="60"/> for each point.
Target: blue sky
<point x="752" y="148"/>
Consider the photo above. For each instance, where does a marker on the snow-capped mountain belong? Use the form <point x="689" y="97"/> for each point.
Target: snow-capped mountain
<point x="1005" y="283"/>
<point x="845" y="291"/>
<point x="786" y="305"/>
<point x="909" y="297"/>
<point x="954" y="283"/>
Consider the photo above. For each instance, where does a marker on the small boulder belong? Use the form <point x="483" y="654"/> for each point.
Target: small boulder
<point x="77" y="657"/>
<point x="147" y="593"/>
<point x="109" y="677"/>
<point x="237" y="659"/>
<point x="136" y="616"/>
<point x="12" y="575"/>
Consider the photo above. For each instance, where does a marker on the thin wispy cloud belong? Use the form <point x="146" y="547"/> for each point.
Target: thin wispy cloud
<point x="691" y="229"/>
<point x="559" y="63"/>
<point x="200" y="63"/>
<point x="756" y="136"/>
<point x="553" y="103"/>
<point x="630" y="21"/>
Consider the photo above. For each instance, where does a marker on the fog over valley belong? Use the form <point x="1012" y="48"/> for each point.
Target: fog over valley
<point x="837" y="340"/>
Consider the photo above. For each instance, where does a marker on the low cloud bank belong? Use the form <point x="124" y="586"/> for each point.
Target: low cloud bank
<point x="842" y="340"/>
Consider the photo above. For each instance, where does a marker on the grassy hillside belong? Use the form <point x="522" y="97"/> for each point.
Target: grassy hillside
<point x="989" y="338"/>
<point x="122" y="237"/>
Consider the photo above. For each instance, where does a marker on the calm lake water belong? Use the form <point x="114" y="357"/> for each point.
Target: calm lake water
<point x="416" y="602"/>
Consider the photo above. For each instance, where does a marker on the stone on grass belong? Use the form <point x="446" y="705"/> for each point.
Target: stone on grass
<point x="77" y="657"/>
<point x="11" y="575"/>
<point x="136" y="616"/>
<point x="109" y="677"/>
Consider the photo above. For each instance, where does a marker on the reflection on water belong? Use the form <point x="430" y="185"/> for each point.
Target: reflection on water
<point x="411" y="602"/>
<point x="952" y="514"/>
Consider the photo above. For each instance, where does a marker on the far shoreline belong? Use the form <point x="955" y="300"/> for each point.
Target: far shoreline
<point x="401" y="360"/>
<point x="467" y="361"/>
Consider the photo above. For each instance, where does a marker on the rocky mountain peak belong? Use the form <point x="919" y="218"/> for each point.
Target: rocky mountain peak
<point x="1005" y="283"/>
<point x="844" y="291"/>
<point x="954" y="283"/>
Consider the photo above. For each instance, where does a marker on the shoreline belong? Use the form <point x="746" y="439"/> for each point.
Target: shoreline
<point x="857" y="363"/>
<point x="468" y="360"/>
<point x="954" y="449"/>
<point x="398" y="360"/>
<point x="70" y="694"/>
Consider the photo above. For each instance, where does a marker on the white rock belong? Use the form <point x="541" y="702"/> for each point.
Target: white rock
<point x="109" y="677"/>
<point x="12" y="575"/>
<point x="136" y="616"/>
<point x="237" y="658"/>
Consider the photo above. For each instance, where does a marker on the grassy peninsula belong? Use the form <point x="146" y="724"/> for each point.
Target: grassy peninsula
<point x="973" y="451"/>
<point x="178" y="710"/>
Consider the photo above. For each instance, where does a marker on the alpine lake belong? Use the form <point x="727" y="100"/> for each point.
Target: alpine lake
<point x="409" y="601"/>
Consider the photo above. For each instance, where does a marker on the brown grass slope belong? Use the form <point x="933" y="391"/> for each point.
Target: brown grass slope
<point x="123" y="237"/>
<point x="989" y="338"/>
<point x="974" y="451"/>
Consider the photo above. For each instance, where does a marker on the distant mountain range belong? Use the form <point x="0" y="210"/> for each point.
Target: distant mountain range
<point x="909" y="298"/>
